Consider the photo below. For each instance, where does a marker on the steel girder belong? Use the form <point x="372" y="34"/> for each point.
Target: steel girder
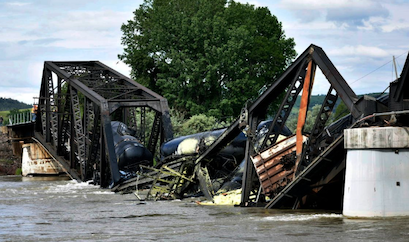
<point x="293" y="77"/>
<point x="77" y="99"/>
<point x="291" y="83"/>
<point x="400" y="99"/>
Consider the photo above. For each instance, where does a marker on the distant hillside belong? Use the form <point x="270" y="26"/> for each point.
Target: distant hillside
<point x="7" y="104"/>
<point x="319" y="99"/>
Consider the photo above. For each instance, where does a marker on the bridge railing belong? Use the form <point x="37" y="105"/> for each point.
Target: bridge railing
<point x="21" y="118"/>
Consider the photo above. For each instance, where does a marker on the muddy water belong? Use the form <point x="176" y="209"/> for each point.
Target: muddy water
<point x="60" y="210"/>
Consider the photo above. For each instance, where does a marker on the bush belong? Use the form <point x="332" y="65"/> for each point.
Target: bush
<point x="177" y="119"/>
<point x="195" y="124"/>
<point x="198" y="123"/>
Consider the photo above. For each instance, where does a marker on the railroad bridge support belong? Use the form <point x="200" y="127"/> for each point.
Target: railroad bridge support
<point x="77" y="102"/>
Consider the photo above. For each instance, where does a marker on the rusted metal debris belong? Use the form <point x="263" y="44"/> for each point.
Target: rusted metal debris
<point x="275" y="166"/>
<point x="309" y="174"/>
<point x="272" y="169"/>
<point x="302" y="171"/>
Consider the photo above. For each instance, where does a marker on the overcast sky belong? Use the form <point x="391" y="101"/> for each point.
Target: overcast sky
<point x="359" y="36"/>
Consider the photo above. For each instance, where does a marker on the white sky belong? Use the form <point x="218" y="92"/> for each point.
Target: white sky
<point x="359" y="36"/>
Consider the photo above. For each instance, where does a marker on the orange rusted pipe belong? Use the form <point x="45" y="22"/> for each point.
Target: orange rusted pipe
<point x="302" y="114"/>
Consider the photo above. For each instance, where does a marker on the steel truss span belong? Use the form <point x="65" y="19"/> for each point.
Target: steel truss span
<point x="78" y="101"/>
<point x="276" y="176"/>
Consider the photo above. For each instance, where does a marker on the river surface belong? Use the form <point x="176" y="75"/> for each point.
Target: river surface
<point x="33" y="209"/>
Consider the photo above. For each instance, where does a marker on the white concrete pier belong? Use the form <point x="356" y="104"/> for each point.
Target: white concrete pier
<point x="377" y="172"/>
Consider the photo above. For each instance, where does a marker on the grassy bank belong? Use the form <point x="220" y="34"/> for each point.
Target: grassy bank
<point x="5" y="114"/>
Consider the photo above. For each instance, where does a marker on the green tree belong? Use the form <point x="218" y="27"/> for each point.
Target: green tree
<point x="205" y="56"/>
<point x="340" y="111"/>
<point x="311" y="117"/>
<point x="312" y="114"/>
<point x="292" y="120"/>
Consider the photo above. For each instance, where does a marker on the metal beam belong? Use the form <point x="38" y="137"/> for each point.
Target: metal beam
<point x="337" y="81"/>
<point x="249" y="170"/>
<point x="280" y="84"/>
<point x="286" y="106"/>
<point x="154" y="104"/>
<point x="403" y="81"/>
<point x="89" y="93"/>
<point x="86" y="133"/>
<point x="63" y="162"/>
<point x="130" y="81"/>
<point x="259" y="107"/>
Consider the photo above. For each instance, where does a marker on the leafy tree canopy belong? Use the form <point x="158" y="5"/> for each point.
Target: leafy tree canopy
<point x="205" y="56"/>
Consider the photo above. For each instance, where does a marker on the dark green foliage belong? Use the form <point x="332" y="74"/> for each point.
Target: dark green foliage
<point x="310" y="120"/>
<point x="314" y="100"/>
<point x="198" y="123"/>
<point x="340" y="111"/>
<point x="292" y="120"/>
<point x="311" y="117"/>
<point x="205" y="56"/>
<point x="9" y="104"/>
<point x="313" y="109"/>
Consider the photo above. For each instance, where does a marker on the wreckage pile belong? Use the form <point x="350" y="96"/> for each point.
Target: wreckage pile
<point x="260" y="162"/>
<point x="278" y="169"/>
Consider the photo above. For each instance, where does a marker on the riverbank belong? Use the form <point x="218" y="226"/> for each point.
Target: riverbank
<point x="9" y="163"/>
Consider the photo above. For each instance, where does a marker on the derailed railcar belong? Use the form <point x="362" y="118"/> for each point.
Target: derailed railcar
<point x="129" y="151"/>
<point x="225" y="167"/>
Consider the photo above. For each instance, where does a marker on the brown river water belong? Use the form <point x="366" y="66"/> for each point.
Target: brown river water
<point x="34" y="209"/>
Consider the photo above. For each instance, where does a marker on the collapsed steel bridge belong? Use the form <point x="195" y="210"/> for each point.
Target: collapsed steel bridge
<point x="79" y="99"/>
<point x="309" y="171"/>
<point x="77" y="102"/>
<point x="305" y="170"/>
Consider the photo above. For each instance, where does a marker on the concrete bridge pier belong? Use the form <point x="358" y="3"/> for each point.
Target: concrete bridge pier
<point x="377" y="172"/>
